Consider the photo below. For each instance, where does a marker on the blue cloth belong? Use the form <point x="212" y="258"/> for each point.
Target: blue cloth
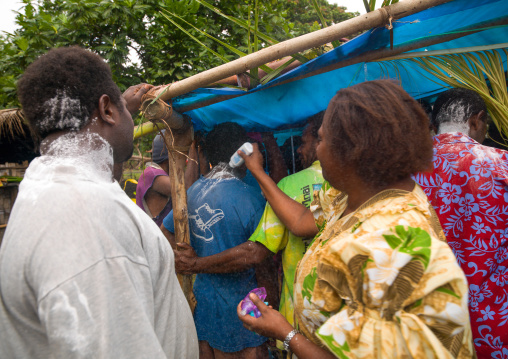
<point x="251" y="181"/>
<point x="223" y="213"/>
<point x="268" y="107"/>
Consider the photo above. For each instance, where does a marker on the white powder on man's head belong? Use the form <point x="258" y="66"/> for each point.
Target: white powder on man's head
<point x="62" y="112"/>
<point x="453" y="117"/>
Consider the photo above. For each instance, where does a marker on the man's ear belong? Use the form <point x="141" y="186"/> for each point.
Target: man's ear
<point x="478" y="126"/>
<point x="106" y="110"/>
<point x="476" y="121"/>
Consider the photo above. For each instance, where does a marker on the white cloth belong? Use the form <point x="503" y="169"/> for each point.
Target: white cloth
<point x="84" y="273"/>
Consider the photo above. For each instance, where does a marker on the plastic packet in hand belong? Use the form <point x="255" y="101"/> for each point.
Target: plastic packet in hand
<point x="250" y="308"/>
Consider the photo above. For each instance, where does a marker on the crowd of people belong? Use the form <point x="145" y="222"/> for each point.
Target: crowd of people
<point x="390" y="242"/>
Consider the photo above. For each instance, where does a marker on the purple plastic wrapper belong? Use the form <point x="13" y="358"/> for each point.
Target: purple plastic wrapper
<point x="249" y="307"/>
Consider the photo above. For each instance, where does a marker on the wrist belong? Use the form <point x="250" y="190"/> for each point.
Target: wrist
<point x="198" y="265"/>
<point x="289" y="338"/>
<point x="257" y="172"/>
<point x="284" y="331"/>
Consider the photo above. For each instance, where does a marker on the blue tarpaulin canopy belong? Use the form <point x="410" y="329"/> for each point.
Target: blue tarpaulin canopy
<point x="291" y="98"/>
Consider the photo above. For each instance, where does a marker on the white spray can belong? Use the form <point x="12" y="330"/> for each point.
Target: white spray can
<point x="236" y="160"/>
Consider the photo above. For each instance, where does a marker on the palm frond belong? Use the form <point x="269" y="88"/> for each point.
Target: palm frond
<point x="482" y="72"/>
<point x="247" y="27"/>
<point x="229" y="47"/>
<point x="194" y="38"/>
<point x="11" y="123"/>
<point x="276" y="72"/>
<point x="320" y="14"/>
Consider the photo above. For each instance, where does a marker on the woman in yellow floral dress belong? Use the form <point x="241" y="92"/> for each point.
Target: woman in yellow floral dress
<point x="378" y="281"/>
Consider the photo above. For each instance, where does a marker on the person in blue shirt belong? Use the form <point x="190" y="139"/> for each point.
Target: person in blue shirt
<point x="223" y="213"/>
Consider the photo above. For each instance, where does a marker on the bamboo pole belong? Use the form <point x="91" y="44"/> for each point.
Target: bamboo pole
<point x="349" y="27"/>
<point x="147" y="128"/>
<point x="158" y="122"/>
<point x="384" y="54"/>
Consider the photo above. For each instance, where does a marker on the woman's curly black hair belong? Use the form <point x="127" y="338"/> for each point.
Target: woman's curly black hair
<point x="61" y="89"/>
<point x="378" y="129"/>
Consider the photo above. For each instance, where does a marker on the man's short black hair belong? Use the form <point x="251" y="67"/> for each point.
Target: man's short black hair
<point x="61" y="89"/>
<point x="223" y="141"/>
<point x="457" y="105"/>
<point x="314" y="123"/>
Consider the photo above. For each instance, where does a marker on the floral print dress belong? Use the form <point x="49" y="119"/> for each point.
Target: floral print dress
<point x="381" y="282"/>
<point x="469" y="191"/>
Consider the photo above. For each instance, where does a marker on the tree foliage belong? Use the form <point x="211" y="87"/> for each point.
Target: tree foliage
<point x="305" y="19"/>
<point x="116" y="28"/>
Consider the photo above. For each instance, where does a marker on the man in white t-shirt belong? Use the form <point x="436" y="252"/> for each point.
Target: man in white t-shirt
<point x="84" y="273"/>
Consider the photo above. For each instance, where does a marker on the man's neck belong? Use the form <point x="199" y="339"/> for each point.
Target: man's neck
<point x="84" y="148"/>
<point x="451" y="127"/>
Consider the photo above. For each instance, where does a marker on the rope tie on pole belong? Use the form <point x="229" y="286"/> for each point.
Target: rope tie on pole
<point x="156" y="109"/>
<point x="387" y="17"/>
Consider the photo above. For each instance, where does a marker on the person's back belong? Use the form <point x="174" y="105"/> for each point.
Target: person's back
<point x="155" y="204"/>
<point x="70" y="234"/>
<point x="83" y="271"/>
<point x="153" y="191"/>
<point x="223" y="213"/>
<point x="469" y="190"/>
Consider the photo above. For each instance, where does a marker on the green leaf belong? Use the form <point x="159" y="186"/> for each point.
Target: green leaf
<point x="22" y="43"/>
<point x="308" y="284"/>
<point x="372" y="5"/>
<point x="320" y="14"/>
<point x="413" y="241"/>
<point x="334" y="347"/>
<point x="270" y="76"/>
<point x="448" y="291"/>
<point x="244" y="25"/>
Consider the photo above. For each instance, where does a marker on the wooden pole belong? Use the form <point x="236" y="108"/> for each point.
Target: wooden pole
<point x="375" y="55"/>
<point x="179" y="197"/>
<point x="349" y="27"/>
<point x="385" y="54"/>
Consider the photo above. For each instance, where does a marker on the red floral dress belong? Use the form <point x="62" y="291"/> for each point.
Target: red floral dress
<point x="469" y="190"/>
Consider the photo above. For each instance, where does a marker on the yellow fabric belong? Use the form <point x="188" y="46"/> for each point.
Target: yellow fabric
<point x="379" y="282"/>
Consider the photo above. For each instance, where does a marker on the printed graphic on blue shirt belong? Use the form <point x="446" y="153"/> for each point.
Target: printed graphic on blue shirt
<point x="203" y="219"/>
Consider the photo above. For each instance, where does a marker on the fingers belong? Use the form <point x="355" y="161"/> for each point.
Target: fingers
<point x="183" y="246"/>
<point x="258" y="302"/>
<point x="133" y="96"/>
<point x="255" y="148"/>
<point x="246" y="319"/>
<point x="140" y="89"/>
<point x="144" y="88"/>
<point x="239" y="309"/>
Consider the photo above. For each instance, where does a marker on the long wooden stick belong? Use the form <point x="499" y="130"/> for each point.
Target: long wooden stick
<point x="376" y="55"/>
<point x="179" y="202"/>
<point x="349" y="27"/>
<point x="384" y="54"/>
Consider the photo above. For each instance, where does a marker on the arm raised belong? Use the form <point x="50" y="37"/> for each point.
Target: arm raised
<point x="295" y="216"/>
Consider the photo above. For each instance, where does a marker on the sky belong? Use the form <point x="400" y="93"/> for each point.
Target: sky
<point x="7" y="16"/>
